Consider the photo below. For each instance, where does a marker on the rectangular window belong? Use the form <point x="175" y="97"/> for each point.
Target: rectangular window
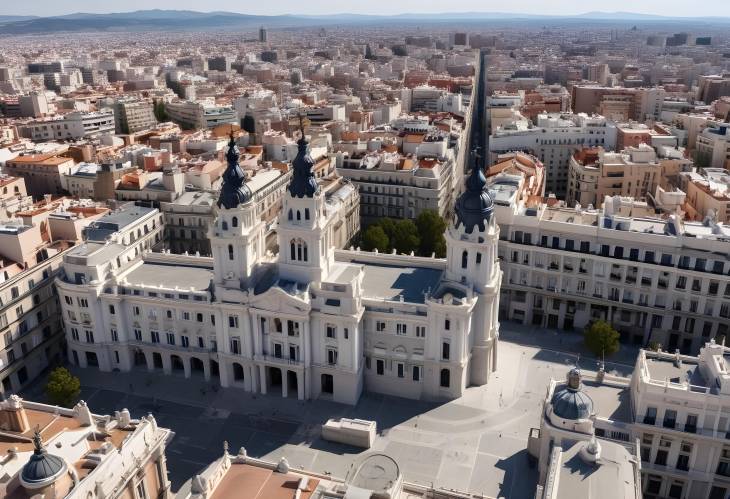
<point x="168" y="313"/>
<point x="199" y="317"/>
<point x="154" y="336"/>
<point x="346" y="333"/>
<point x="401" y="329"/>
<point x="447" y="325"/>
<point x="115" y="336"/>
<point x="380" y="366"/>
<point x="233" y="321"/>
<point x="184" y="341"/>
<point x="75" y="334"/>
<point x="111" y="310"/>
<point x="420" y="331"/>
<point x="135" y="310"/>
<point x="331" y="331"/>
<point x="380" y="326"/>
<point x="445" y="350"/>
<point x="670" y="418"/>
<point x="401" y="370"/>
<point x="138" y="334"/>
<point x="235" y="346"/>
<point x="331" y="356"/>
<point x="170" y="338"/>
<point x="186" y="316"/>
<point x="650" y="417"/>
<point x="416" y="373"/>
<point x="89" y="336"/>
<point x="201" y="342"/>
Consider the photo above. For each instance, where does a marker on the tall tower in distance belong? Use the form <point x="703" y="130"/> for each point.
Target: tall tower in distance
<point x="263" y="35"/>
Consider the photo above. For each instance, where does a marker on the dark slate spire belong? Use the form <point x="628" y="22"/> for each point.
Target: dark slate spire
<point x="474" y="207"/>
<point x="42" y="468"/>
<point x="234" y="190"/>
<point x="303" y="183"/>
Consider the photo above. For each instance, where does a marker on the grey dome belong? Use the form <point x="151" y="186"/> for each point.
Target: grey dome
<point x="42" y="468"/>
<point x="474" y="207"/>
<point x="234" y="190"/>
<point x="571" y="402"/>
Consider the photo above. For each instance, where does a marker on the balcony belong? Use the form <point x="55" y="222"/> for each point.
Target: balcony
<point x="279" y="360"/>
<point x="650" y="420"/>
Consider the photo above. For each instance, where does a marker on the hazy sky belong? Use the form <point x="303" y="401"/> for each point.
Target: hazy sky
<point x="663" y="7"/>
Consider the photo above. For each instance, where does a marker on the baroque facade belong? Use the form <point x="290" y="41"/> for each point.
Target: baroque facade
<point x="310" y="321"/>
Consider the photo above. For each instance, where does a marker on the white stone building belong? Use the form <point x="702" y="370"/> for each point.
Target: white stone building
<point x="310" y="321"/>
<point x="655" y="279"/>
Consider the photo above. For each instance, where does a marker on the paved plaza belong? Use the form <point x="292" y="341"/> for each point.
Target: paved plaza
<point x="474" y="444"/>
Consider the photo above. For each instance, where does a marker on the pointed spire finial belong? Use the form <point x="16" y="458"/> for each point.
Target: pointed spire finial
<point x="301" y="124"/>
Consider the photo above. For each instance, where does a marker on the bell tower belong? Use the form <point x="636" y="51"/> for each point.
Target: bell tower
<point x="305" y="243"/>
<point x="237" y="237"/>
<point x="471" y="240"/>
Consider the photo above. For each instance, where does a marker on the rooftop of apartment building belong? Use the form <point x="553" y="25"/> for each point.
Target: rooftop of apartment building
<point x="708" y="372"/>
<point x="713" y="181"/>
<point x="116" y="221"/>
<point x="593" y="468"/>
<point x="51" y="446"/>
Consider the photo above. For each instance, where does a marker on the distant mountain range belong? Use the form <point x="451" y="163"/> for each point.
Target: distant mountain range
<point x="174" y="20"/>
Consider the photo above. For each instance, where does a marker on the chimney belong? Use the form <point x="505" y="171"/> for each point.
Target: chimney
<point x="12" y="415"/>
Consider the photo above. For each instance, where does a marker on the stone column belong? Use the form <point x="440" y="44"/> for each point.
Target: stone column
<point x="300" y="385"/>
<point x="224" y="372"/>
<point x="262" y="378"/>
<point x="187" y="368"/>
<point x="284" y="383"/>
<point x="167" y="364"/>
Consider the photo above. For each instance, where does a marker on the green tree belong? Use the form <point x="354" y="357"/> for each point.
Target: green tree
<point x="405" y="239"/>
<point x="374" y="237"/>
<point x="388" y="225"/>
<point x="601" y="338"/>
<point x="63" y="388"/>
<point x="431" y="228"/>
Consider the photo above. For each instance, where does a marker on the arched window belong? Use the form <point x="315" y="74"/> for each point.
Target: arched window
<point x="298" y="250"/>
<point x="464" y="259"/>
<point x="230" y="252"/>
<point x="234" y="222"/>
<point x="290" y="215"/>
<point x="445" y="378"/>
<point x="299" y="215"/>
<point x="306" y="213"/>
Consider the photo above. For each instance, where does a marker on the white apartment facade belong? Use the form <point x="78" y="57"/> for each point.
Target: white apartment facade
<point x="553" y="140"/>
<point x="309" y="322"/>
<point x="72" y="126"/>
<point x="655" y="280"/>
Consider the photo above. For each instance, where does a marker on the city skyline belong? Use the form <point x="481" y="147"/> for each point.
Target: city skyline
<point x="672" y="8"/>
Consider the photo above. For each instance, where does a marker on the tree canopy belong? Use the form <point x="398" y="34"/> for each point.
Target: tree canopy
<point x="63" y="388"/>
<point x="601" y="338"/>
<point x="423" y="237"/>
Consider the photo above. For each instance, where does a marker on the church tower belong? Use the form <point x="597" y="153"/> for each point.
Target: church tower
<point x="237" y="237"/>
<point x="472" y="260"/>
<point x="305" y="243"/>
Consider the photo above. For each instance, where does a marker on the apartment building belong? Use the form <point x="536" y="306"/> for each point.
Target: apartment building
<point x="131" y="115"/>
<point x="13" y="196"/>
<point x="713" y="146"/>
<point x="669" y="412"/>
<point x="192" y="115"/>
<point x="310" y="321"/>
<point x="43" y="173"/>
<point x="618" y="103"/>
<point x="32" y="247"/>
<point x="655" y="279"/>
<point x="72" y="126"/>
<point x="708" y="192"/>
<point x="554" y="140"/>
<point x="595" y="174"/>
<point x="56" y="452"/>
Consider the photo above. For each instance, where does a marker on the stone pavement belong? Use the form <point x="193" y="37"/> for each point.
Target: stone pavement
<point x="474" y="444"/>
